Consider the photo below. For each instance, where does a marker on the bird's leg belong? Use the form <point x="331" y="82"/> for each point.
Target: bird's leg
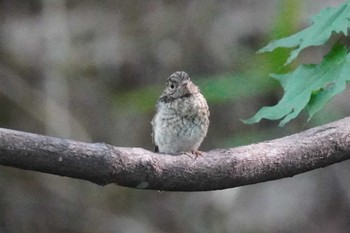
<point x="197" y="153"/>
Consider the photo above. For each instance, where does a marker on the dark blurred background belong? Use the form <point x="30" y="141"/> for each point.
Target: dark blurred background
<point x="93" y="70"/>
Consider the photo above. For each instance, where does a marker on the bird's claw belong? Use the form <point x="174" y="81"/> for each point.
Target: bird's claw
<point x="195" y="153"/>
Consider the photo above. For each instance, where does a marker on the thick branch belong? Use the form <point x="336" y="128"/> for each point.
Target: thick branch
<point x="217" y="169"/>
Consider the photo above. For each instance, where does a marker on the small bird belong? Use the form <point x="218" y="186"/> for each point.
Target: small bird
<point x="182" y="117"/>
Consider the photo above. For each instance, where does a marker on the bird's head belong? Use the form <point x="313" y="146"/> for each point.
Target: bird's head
<point x="179" y="85"/>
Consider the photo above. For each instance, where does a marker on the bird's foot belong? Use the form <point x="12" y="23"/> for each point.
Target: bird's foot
<point x="195" y="153"/>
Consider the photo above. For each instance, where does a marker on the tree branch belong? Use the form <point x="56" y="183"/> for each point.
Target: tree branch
<point x="217" y="169"/>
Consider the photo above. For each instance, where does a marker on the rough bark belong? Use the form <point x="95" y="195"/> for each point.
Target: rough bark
<point x="217" y="169"/>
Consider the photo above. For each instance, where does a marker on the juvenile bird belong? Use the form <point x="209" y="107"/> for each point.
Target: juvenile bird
<point x="182" y="117"/>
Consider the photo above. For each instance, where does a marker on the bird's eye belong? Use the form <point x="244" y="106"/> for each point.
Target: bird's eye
<point x="172" y="86"/>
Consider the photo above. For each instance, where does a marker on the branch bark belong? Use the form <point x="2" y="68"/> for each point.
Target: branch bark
<point x="217" y="169"/>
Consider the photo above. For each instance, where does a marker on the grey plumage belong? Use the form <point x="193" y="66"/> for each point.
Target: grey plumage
<point x="182" y="116"/>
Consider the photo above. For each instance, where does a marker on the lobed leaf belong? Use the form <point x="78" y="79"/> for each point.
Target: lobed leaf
<point x="327" y="21"/>
<point x="310" y="86"/>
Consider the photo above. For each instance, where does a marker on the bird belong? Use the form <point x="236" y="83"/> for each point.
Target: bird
<point x="181" y="121"/>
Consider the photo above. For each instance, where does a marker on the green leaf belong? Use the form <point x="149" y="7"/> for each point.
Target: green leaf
<point x="323" y="24"/>
<point x="310" y="86"/>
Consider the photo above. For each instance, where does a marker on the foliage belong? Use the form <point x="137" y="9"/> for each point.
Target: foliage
<point x="311" y="86"/>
